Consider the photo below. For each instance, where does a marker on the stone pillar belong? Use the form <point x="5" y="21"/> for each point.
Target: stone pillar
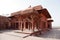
<point x="24" y="25"/>
<point x="14" y="25"/>
<point x="19" y="25"/>
<point x="32" y="26"/>
<point x="32" y="23"/>
<point x="29" y="25"/>
<point x="50" y="25"/>
<point x="46" y="25"/>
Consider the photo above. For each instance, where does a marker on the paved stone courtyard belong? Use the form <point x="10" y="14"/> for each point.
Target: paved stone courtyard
<point x="54" y="34"/>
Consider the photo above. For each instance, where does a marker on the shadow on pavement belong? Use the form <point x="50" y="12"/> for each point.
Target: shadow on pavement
<point x="3" y="31"/>
<point x="54" y="33"/>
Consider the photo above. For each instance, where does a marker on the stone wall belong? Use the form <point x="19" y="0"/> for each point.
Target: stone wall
<point x="4" y="22"/>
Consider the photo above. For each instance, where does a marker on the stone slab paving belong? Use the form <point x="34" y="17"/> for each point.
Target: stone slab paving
<point x="54" y="34"/>
<point x="9" y="37"/>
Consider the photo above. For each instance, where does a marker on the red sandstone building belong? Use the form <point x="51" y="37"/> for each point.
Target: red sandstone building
<point x="4" y="22"/>
<point x="33" y="19"/>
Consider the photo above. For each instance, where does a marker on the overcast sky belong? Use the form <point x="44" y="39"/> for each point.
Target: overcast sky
<point x="10" y="6"/>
